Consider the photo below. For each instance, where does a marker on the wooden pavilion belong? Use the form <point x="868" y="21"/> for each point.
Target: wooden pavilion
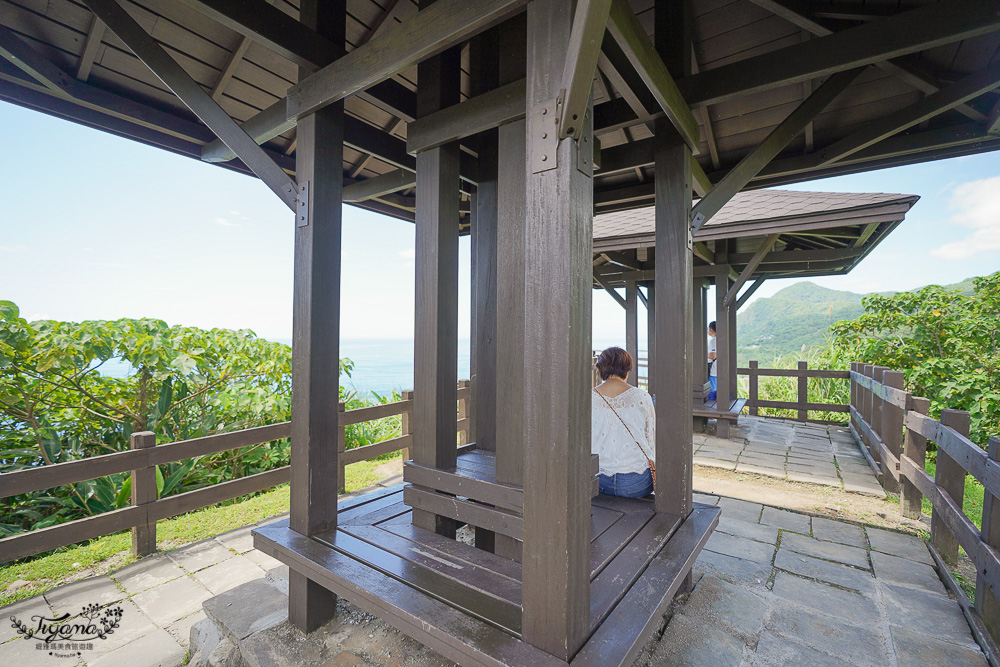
<point x="756" y="236"/>
<point x="491" y="115"/>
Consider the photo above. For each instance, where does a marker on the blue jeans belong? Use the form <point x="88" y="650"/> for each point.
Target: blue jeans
<point x="627" y="484"/>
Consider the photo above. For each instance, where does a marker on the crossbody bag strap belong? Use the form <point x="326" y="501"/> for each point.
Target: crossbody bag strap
<point x="636" y="441"/>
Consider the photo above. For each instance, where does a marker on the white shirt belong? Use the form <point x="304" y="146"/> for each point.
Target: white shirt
<point x="712" y="348"/>
<point x="616" y="449"/>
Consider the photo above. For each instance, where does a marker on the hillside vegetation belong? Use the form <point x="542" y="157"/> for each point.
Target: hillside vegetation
<point x="798" y="319"/>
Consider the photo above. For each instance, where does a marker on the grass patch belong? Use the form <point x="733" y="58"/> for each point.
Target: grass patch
<point x="111" y="552"/>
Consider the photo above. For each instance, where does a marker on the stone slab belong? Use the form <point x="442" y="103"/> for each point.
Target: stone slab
<point x="23" y="610"/>
<point x="228" y="574"/>
<point x="755" y="469"/>
<point x="864" y="485"/>
<point x="155" y="649"/>
<point x="690" y="642"/>
<point x="775" y="651"/>
<point x="239" y="540"/>
<point x="832" y="573"/>
<point x="733" y="570"/>
<point x="840" y="553"/>
<point x="752" y="531"/>
<point x="740" y="509"/>
<point x="246" y="609"/>
<point x="181" y="630"/>
<point x="909" y="547"/>
<point x="714" y="463"/>
<point x="828" y="635"/>
<point x="927" y="613"/>
<point x="912" y="648"/>
<point x="148" y="572"/>
<point x="739" y="547"/>
<point x="839" y="532"/>
<point x="71" y="598"/>
<point x="173" y="600"/>
<point x="707" y="499"/>
<point x="716" y="602"/>
<point x="807" y="478"/>
<point x="132" y="626"/>
<point x="797" y="523"/>
<point x="200" y="555"/>
<point x="846" y="605"/>
<point x="894" y="570"/>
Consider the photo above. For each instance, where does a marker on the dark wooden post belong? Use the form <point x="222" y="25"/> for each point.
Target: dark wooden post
<point x="435" y="374"/>
<point x="877" y="403"/>
<point x="722" y="333"/>
<point x="950" y="476"/>
<point x="987" y="601"/>
<point x="854" y="390"/>
<point x="405" y="423"/>
<point x="341" y="449"/>
<point x="143" y="491"/>
<point x="319" y="165"/>
<point x="484" y="76"/>
<point x="753" y="388"/>
<point x="650" y="335"/>
<point x="915" y="448"/>
<point x="632" y="328"/>
<point x="699" y="375"/>
<point x="892" y="426"/>
<point x="866" y="410"/>
<point x="557" y="350"/>
<point x="803" y="391"/>
<point x="733" y="377"/>
<point x="510" y="280"/>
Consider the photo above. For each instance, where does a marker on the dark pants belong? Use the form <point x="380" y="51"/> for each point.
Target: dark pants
<point x="627" y="484"/>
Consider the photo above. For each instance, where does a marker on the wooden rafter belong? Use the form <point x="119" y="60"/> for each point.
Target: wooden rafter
<point x="94" y="37"/>
<point x="706" y="119"/>
<point x="589" y="21"/>
<point x="758" y="158"/>
<point x="371" y="188"/>
<point x="916" y="30"/>
<point x="619" y="299"/>
<point x="191" y="93"/>
<point x="749" y="292"/>
<point x="751" y="266"/>
<point x="795" y="13"/>
<point x="928" y="107"/>
<point x="630" y="35"/>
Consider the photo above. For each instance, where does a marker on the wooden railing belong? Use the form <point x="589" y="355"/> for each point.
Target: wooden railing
<point x="143" y="457"/>
<point x="895" y="428"/>
<point x="801" y="405"/>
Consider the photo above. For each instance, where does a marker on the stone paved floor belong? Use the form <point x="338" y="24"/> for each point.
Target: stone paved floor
<point x="811" y="453"/>
<point x="780" y="588"/>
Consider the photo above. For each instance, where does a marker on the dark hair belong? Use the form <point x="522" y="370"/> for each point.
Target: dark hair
<point x="614" y="361"/>
<point x="711" y="325"/>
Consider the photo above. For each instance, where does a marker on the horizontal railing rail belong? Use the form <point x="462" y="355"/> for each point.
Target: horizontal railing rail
<point x="801" y="405"/>
<point x="894" y="429"/>
<point x="143" y="457"/>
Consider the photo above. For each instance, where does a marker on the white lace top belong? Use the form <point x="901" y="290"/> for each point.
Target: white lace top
<point x="614" y="446"/>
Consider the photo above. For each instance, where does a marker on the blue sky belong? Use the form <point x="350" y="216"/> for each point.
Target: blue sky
<point x="99" y="227"/>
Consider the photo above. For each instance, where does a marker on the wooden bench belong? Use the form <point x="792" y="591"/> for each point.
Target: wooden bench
<point x="710" y="410"/>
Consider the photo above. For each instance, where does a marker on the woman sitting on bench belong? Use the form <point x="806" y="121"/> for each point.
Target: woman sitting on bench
<point x="623" y="429"/>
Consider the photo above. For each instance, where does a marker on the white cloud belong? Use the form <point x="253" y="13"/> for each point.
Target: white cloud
<point x="13" y="248"/>
<point x="225" y="223"/>
<point x="409" y="253"/>
<point x="976" y="205"/>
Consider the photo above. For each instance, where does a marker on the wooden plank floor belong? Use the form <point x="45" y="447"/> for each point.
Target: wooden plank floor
<point x="628" y="543"/>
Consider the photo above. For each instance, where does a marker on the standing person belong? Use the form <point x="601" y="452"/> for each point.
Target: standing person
<point x="623" y="429"/>
<point x="713" y="371"/>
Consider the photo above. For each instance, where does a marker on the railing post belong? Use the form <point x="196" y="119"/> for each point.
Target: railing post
<point x="950" y="476"/>
<point x="143" y="492"/>
<point x="892" y="426"/>
<point x="854" y="395"/>
<point x="753" y="389"/>
<point x="341" y="448"/>
<point x="866" y="407"/>
<point x="405" y="428"/>
<point x="463" y="413"/>
<point x="987" y="602"/>
<point x="914" y="448"/>
<point x="877" y="405"/>
<point x="803" y="398"/>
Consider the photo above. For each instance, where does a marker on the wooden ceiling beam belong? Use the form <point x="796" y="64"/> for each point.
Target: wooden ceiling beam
<point x="796" y="13"/>
<point x="589" y="21"/>
<point x="786" y="256"/>
<point x="767" y="150"/>
<point x="195" y="98"/>
<point x="751" y="266"/>
<point x="713" y="148"/>
<point x="483" y="112"/>
<point x="94" y="37"/>
<point x="749" y="292"/>
<point x="630" y="35"/>
<point x="442" y="25"/>
<point x="928" y="107"/>
<point x="915" y="30"/>
<point x="370" y="188"/>
<point x="993" y="124"/>
<point x="619" y="299"/>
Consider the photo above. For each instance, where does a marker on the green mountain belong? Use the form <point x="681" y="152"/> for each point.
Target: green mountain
<point x="798" y="318"/>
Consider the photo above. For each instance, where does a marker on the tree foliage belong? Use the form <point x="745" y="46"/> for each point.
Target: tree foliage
<point x="947" y="343"/>
<point x="57" y="405"/>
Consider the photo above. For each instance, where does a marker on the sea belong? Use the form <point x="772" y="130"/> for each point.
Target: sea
<point x="380" y="365"/>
